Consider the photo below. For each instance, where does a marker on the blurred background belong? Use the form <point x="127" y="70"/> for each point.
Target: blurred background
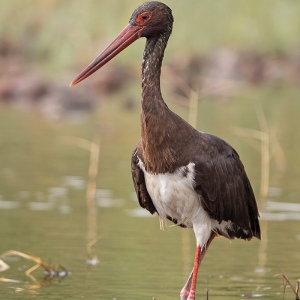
<point x="231" y="68"/>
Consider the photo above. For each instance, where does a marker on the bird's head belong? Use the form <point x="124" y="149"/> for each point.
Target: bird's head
<point x="154" y="18"/>
<point x="148" y="20"/>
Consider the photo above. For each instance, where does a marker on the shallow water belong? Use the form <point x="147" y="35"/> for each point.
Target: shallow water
<point x="44" y="211"/>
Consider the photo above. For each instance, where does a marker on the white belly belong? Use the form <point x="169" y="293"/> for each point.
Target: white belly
<point x="173" y="195"/>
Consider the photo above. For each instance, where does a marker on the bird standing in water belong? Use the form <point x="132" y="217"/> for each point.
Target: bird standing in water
<point x="192" y="178"/>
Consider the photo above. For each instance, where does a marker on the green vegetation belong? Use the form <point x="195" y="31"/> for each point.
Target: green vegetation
<point x="57" y="35"/>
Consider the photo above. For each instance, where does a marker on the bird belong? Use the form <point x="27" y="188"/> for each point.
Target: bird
<point x="192" y="178"/>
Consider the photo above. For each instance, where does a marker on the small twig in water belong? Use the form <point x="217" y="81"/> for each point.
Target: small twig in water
<point x="287" y="282"/>
<point x="3" y="266"/>
<point x="297" y="289"/>
<point x="207" y="289"/>
<point x="50" y="270"/>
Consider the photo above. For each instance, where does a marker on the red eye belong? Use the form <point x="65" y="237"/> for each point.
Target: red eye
<point x="143" y="18"/>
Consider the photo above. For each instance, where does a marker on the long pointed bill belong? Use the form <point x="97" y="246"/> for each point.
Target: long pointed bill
<point x="126" y="37"/>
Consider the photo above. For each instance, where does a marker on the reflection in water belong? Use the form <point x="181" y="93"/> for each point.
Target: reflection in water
<point x="92" y="259"/>
<point x="40" y="206"/>
<point x="92" y="212"/>
<point x="139" y="213"/>
<point x="75" y="182"/>
<point x="281" y="211"/>
<point x="108" y="202"/>
<point x="136" y="260"/>
<point x="252" y="295"/>
<point x="9" y="204"/>
<point x="57" y="197"/>
<point x="65" y="209"/>
<point x="280" y="216"/>
<point x="282" y="206"/>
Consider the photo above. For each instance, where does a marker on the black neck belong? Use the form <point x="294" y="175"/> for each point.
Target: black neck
<point x="151" y="70"/>
<point x="156" y="124"/>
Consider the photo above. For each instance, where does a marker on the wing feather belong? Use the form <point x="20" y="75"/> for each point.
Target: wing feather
<point x="223" y="186"/>
<point x="140" y="184"/>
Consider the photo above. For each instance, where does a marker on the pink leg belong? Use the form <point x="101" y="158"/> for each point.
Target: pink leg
<point x="188" y="292"/>
<point x="186" y="289"/>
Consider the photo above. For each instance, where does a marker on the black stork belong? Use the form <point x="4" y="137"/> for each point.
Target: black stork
<point x="192" y="178"/>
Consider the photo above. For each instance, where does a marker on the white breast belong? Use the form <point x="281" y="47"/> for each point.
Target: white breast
<point x="173" y="195"/>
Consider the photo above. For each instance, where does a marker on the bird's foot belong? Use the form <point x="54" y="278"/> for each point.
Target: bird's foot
<point x="187" y="294"/>
<point x="184" y="294"/>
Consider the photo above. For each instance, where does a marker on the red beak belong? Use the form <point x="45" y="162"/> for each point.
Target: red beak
<point x="126" y="37"/>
